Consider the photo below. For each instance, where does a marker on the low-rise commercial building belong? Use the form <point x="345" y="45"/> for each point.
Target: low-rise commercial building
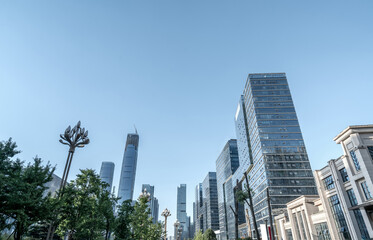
<point x="344" y="208"/>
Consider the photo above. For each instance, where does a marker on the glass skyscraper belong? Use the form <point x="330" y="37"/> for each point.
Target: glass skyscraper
<point x="226" y="165"/>
<point x="181" y="213"/>
<point x="128" y="172"/>
<point x="270" y="144"/>
<point x="207" y="204"/>
<point x="153" y="203"/>
<point x="107" y="173"/>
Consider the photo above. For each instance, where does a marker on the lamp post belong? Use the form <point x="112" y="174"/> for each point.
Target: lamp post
<point x="166" y="213"/>
<point x="145" y="194"/>
<point x="76" y="137"/>
<point x="180" y="232"/>
<point x="73" y="137"/>
<point x="176" y="232"/>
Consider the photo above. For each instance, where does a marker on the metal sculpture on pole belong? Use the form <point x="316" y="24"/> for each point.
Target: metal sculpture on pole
<point x="73" y="137"/>
<point x="166" y="213"/>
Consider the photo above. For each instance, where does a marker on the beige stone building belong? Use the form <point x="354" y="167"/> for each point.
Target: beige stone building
<point x="344" y="208"/>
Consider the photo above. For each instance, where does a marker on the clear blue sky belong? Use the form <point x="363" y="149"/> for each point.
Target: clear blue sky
<point x="176" y="69"/>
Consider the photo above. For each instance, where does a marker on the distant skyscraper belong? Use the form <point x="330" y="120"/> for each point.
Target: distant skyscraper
<point x="155" y="212"/>
<point x="153" y="203"/>
<point x="128" y="172"/>
<point x="181" y="214"/>
<point x="53" y="185"/>
<point x="270" y="144"/>
<point x="226" y="165"/>
<point x="107" y="173"/>
<point x="207" y="204"/>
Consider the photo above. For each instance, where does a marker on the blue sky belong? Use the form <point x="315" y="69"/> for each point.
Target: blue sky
<point x="176" y="69"/>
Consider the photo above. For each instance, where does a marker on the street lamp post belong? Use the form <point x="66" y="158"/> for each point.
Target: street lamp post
<point x="145" y="194"/>
<point x="166" y="213"/>
<point x="180" y="231"/>
<point x="176" y="232"/>
<point x="76" y="137"/>
<point x="73" y="137"/>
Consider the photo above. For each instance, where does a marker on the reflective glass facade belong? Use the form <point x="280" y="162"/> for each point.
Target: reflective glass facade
<point x="359" y="218"/>
<point x="128" y="171"/>
<point x="153" y="203"/>
<point x="181" y="214"/>
<point x="274" y="149"/>
<point x="107" y="173"/>
<point x="322" y="231"/>
<point x="226" y="165"/>
<point x="339" y="217"/>
<point x="207" y="204"/>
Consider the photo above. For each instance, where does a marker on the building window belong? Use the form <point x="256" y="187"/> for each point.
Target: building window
<point x="328" y="183"/>
<point x="370" y="149"/>
<point x="354" y="159"/>
<point x="322" y="231"/>
<point x="358" y="216"/>
<point x="289" y="234"/>
<point x="361" y="224"/>
<point x="344" y="175"/>
<point x="352" y="197"/>
<point x="339" y="218"/>
<point x="366" y="191"/>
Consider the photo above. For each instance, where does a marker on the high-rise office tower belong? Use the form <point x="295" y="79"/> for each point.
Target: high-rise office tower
<point x="128" y="172"/>
<point x="153" y="203"/>
<point x="198" y="210"/>
<point x="155" y="212"/>
<point x="226" y="165"/>
<point x="107" y="173"/>
<point x="270" y="144"/>
<point x="207" y="204"/>
<point x="181" y="214"/>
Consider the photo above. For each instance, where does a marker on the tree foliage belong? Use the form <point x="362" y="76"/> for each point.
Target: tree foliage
<point x="86" y="208"/>
<point x="198" y="236"/>
<point x="22" y="198"/>
<point x="141" y="224"/>
<point x="83" y="210"/>
<point x="209" y="235"/>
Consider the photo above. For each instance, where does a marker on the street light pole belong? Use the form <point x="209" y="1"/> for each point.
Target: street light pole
<point x="270" y="215"/>
<point x="176" y="232"/>
<point x="75" y="137"/>
<point x="166" y="213"/>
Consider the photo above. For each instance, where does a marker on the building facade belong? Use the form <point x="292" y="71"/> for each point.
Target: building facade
<point x="226" y="165"/>
<point x="270" y="144"/>
<point x="304" y="219"/>
<point x="181" y="214"/>
<point x="346" y="186"/>
<point x="107" y="173"/>
<point x="207" y="204"/>
<point x="344" y="207"/>
<point x="153" y="203"/>
<point x="128" y="171"/>
<point x="53" y="186"/>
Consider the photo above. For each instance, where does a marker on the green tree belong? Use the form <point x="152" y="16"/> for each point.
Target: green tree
<point x="84" y="207"/>
<point x="106" y="205"/>
<point x="209" y="235"/>
<point x="199" y="236"/>
<point x="22" y="199"/>
<point x="141" y="224"/>
<point x="123" y="220"/>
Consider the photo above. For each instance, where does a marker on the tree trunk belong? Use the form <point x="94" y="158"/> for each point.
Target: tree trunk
<point x="252" y="207"/>
<point x="18" y="232"/>
<point x="107" y="230"/>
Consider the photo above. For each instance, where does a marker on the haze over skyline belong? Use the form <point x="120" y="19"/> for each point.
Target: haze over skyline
<point x="176" y="70"/>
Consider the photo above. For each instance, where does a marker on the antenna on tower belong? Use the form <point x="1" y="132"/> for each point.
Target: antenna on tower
<point x="135" y="128"/>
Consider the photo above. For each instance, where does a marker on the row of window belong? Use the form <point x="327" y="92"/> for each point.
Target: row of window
<point x="329" y="183"/>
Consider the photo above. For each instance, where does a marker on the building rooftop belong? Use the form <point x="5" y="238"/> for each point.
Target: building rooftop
<point x="352" y="129"/>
